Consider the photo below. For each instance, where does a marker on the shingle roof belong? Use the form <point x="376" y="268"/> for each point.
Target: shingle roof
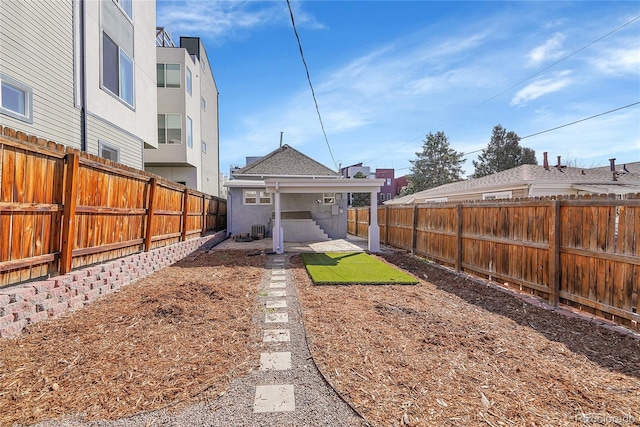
<point x="530" y="174"/>
<point x="285" y="161"/>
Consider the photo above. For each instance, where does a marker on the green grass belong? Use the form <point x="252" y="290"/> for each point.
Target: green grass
<point x="333" y="268"/>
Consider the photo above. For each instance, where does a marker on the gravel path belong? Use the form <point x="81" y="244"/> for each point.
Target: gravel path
<point x="316" y="403"/>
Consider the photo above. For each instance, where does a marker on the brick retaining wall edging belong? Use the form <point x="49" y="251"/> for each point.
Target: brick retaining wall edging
<point x="37" y="301"/>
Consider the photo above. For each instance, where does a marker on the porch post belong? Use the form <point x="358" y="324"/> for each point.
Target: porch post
<point x="278" y="238"/>
<point x="374" y="229"/>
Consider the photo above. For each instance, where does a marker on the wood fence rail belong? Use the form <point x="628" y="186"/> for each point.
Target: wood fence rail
<point x="581" y="251"/>
<point x="62" y="209"/>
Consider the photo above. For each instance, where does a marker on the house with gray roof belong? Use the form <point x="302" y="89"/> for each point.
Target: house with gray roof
<point x="291" y="197"/>
<point x="535" y="181"/>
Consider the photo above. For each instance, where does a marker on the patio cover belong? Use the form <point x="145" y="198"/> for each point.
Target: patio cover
<point x="279" y="186"/>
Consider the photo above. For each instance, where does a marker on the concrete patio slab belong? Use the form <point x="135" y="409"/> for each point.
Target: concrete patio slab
<point x="276" y="304"/>
<point x="274" y="398"/>
<point x="279" y="361"/>
<point x="276" y="318"/>
<point x="276" y="335"/>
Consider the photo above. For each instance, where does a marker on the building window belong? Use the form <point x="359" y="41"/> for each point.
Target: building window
<point x="16" y="99"/>
<point x="169" y="129"/>
<point x="498" y="195"/>
<point x="382" y="197"/>
<point x="117" y="70"/>
<point x="204" y="147"/>
<point x="256" y="197"/>
<point x="189" y="132"/>
<point x="189" y="79"/>
<point x="108" y="151"/>
<point x="388" y="196"/>
<point x="388" y="182"/>
<point x="203" y="103"/>
<point x="328" y="198"/>
<point x="168" y="75"/>
<point x="127" y="7"/>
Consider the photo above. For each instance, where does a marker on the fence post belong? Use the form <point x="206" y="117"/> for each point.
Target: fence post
<point x="554" y="253"/>
<point x="414" y="230"/>
<point x="386" y="225"/>
<point x="69" y="212"/>
<point x="204" y="215"/>
<point x="459" y="239"/>
<point x="151" y="208"/>
<point x="185" y="214"/>
<point x="356" y="221"/>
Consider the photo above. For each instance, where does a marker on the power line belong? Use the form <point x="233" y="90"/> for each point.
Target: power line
<point x="313" y="93"/>
<point x="560" y="60"/>
<point x="581" y="120"/>
<point x="546" y="68"/>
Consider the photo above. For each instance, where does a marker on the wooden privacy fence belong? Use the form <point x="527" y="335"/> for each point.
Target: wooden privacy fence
<point x="581" y="251"/>
<point x="61" y="209"/>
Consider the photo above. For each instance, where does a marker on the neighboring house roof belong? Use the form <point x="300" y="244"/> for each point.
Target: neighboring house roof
<point x="596" y="179"/>
<point x="284" y="161"/>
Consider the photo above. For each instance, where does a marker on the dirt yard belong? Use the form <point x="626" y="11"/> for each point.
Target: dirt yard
<point x="179" y="335"/>
<point x="446" y="352"/>
<point x="452" y="352"/>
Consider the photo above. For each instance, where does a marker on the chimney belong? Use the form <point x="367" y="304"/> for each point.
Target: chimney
<point x="558" y="165"/>
<point x="615" y="175"/>
<point x="612" y="162"/>
<point x="545" y="162"/>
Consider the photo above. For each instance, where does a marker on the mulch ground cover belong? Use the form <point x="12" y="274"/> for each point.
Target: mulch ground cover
<point x="453" y="352"/>
<point x="181" y="334"/>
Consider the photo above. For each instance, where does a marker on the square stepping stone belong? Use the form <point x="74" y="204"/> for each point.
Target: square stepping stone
<point x="276" y="304"/>
<point x="277" y="294"/>
<point x="276" y="335"/>
<point x="278" y="285"/>
<point x="274" y="398"/>
<point x="276" y="318"/>
<point x="278" y="272"/>
<point x="280" y="361"/>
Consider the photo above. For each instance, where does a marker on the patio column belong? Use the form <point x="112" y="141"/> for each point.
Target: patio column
<point x="374" y="229"/>
<point x="278" y="238"/>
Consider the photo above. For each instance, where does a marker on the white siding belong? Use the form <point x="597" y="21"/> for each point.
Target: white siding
<point x="130" y="146"/>
<point x="209" y="126"/>
<point x="36" y="48"/>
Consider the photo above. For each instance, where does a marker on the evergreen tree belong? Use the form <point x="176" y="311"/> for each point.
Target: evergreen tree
<point x="437" y="164"/>
<point x="503" y="152"/>
<point x="360" y="199"/>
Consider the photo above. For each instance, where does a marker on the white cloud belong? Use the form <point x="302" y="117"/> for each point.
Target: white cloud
<point x="617" y="61"/>
<point x="541" y="87"/>
<point x="221" y="20"/>
<point x="549" y="51"/>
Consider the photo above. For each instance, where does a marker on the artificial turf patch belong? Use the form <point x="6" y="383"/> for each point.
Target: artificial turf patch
<point x="332" y="268"/>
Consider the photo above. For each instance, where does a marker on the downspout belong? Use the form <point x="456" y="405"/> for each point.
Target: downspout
<point x="83" y="79"/>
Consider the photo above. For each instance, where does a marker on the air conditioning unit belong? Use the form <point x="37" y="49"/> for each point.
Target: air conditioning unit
<point x="257" y="231"/>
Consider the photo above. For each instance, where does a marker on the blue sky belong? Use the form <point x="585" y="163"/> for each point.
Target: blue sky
<point x="386" y="73"/>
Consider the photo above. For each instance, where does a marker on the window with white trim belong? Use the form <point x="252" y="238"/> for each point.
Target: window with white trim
<point x="117" y="70"/>
<point x="127" y="7"/>
<point x="382" y="197"/>
<point x="168" y="75"/>
<point x="328" y="198"/>
<point x="169" y="129"/>
<point x="189" y="80"/>
<point x="497" y="195"/>
<point x="189" y="132"/>
<point x="108" y="151"/>
<point x="257" y="197"/>
<point x="204" y="147"/>
<point x="16" y="99"/>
